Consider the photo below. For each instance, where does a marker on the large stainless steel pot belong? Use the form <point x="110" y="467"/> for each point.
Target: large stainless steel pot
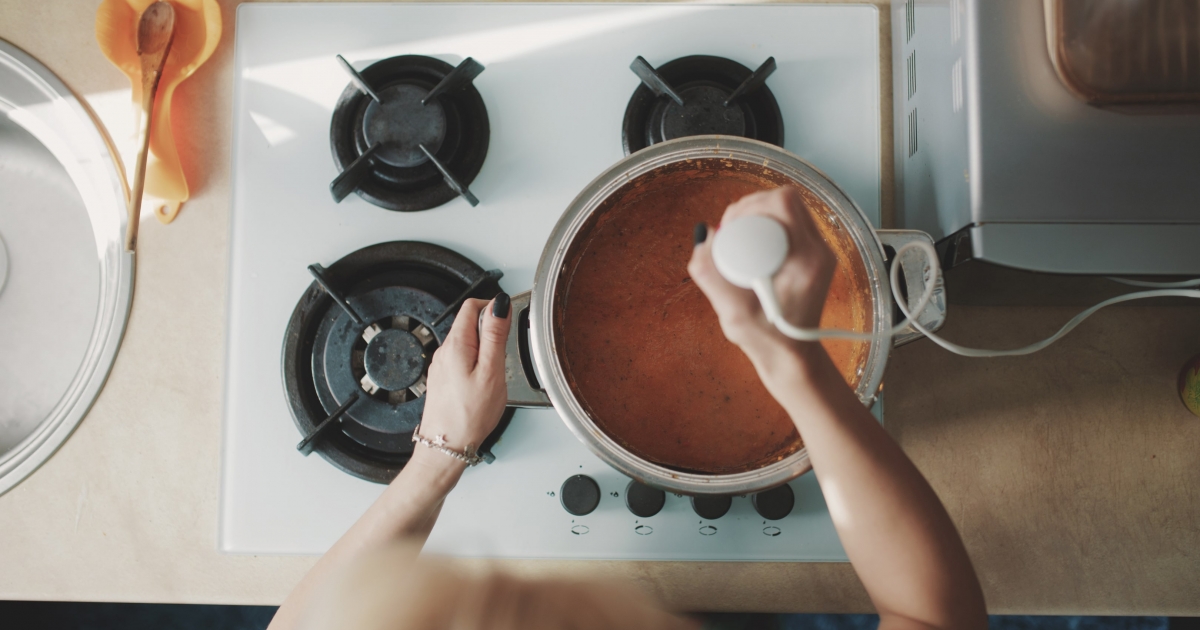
<point x="535" y="373"/>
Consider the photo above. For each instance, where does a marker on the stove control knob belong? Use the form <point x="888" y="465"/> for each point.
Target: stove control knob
<point x="579" y="495"/>
<point x="775" y="503"/>
<point x="710" y="506"/>
<point x="643" y="500"/>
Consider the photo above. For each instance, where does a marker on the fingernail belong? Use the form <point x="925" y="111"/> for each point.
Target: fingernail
<point x="700" y="234"/>
<point x="501" y="304"/>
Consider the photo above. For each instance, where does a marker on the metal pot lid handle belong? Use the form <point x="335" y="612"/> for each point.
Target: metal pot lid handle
<point x="914" y="270"/>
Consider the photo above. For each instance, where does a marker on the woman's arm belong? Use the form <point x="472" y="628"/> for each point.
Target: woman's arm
<point x="465" y="397"/>
<point x="895" y="531"/>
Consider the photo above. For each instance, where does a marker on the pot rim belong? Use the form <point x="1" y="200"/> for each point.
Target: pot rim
<point x="544" y="349"/>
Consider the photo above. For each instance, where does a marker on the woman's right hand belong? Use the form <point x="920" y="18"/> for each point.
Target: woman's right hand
<point x="801" y="283"/>
<point x="895" y="531"/>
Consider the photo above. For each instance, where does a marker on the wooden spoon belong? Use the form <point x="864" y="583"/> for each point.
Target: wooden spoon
<point x="156" y="31"/>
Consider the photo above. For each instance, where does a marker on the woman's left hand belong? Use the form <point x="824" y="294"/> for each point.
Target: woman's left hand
<point x="464" y="398"/>
<point x="466" y="391"/>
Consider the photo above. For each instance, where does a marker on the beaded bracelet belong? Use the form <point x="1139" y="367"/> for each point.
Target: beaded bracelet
<point x="438" y="443"/>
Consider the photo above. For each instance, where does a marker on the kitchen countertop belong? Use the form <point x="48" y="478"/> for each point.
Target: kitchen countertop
<point x="1072" y="473"/>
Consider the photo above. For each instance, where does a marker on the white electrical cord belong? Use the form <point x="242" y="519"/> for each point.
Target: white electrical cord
<point x="1034" y="347"/>
<point x="750" y="250"/>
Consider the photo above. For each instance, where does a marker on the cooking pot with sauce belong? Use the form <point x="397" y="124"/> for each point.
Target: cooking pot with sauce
<point x="628" y="351"/>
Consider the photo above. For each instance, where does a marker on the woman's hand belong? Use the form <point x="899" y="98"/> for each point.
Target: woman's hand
<point x="466" y="390"/>
<point x="464" y="399"/>
<point x="801" y="283"/>
<point x="894" y="529"/>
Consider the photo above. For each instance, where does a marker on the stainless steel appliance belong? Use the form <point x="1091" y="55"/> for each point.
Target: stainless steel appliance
<point x="1021" y="138"/>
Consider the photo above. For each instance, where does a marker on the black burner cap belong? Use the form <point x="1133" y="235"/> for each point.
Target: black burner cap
<point x="401" y="124"/>
<point x="394" y="359"/>
<point x="703" y="112"/>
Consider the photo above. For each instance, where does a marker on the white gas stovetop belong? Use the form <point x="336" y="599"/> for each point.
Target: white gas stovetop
<point x="556" y="84"/>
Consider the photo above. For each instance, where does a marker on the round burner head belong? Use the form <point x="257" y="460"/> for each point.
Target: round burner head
<point x="404" y="179"/>
<point x="703" y="82"/>
<point x="703" y="112"/>
<point x="394" y="359"/>
<point x="401" y="124"/>
<point x="325" y="352"/>
<point x="384" y="418"/>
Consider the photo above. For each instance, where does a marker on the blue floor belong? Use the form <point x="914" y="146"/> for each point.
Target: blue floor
<point x="89" y="616"/>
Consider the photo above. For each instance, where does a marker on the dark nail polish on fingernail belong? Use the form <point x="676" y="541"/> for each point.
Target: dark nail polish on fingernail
<point x="501" y="304"/>
<point x="700" y="234"/>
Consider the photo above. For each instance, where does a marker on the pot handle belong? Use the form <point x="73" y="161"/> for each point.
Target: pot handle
<point x="523" y="387"/>
<point x="914" y="270"/>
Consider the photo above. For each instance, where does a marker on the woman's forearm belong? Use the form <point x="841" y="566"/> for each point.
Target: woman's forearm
<point x="407" y="508"/>
<point x="410" y="504"/>
<point x="896" y="532"/>
<point x="464" y="400"/>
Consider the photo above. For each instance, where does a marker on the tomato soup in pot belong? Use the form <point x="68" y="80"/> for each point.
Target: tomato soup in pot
<point x="641" y="346"/>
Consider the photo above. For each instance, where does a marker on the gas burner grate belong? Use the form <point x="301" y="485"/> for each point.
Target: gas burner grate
<point x="358" y="345"/>
<point x="409" y="133"/>
<point x="700" y="95"/>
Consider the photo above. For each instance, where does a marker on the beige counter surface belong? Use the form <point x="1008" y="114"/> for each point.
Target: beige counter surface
<point x="1073" y="474"/>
